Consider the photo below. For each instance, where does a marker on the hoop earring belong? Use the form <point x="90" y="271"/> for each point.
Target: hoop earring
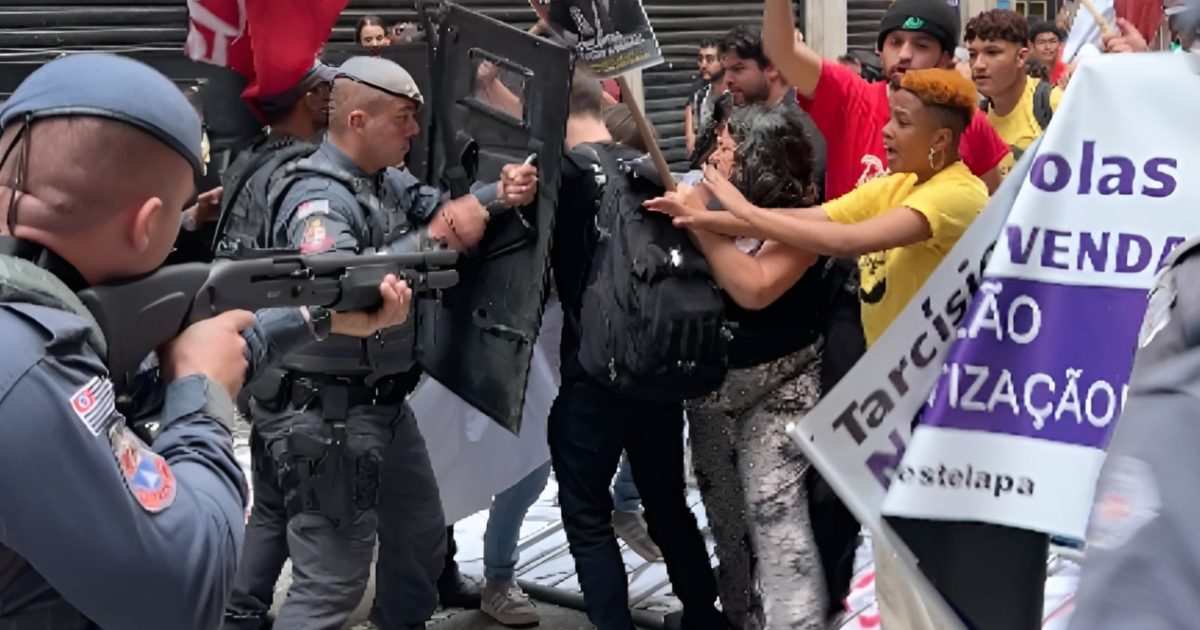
<point x="933" y="152"/>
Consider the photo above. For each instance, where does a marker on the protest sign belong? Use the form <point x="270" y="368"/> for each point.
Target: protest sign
<point x="613" y="37"/>
<point x="1016" y="426"/>
<point x="1028" y="393"/>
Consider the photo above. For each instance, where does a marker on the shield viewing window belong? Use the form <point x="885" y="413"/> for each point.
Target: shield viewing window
<point x="501" y="87"/>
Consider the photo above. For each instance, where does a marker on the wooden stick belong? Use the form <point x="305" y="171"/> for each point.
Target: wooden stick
<point x="1105" y="26"/>
<point x="643" y="125"/>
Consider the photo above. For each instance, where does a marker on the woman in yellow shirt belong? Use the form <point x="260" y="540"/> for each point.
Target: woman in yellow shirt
<point x="899" y="225"/>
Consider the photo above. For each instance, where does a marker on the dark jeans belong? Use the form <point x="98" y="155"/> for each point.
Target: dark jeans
<point x="589" y="428"/>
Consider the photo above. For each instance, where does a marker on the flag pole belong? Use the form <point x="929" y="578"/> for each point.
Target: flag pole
<point x="643" y="125"/>
<point x="1105" y="26"/>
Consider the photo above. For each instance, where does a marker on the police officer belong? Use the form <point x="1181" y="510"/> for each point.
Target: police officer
<point x="99" y="525"/>
<point x="295" y="119"/>
<point x="353" y="461"/>
<point x="1142" y="568"/>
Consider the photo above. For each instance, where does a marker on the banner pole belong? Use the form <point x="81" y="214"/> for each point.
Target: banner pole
<point x="643" y="125"/>
<point x="1105" y="26"/>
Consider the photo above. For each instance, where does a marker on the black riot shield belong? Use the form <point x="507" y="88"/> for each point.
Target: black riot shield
<point x="499" y="96"/>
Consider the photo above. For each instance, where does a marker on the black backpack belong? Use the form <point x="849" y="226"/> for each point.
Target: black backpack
<point x="653" y="320"/>
<point x="246" y="214"/>
<point x="1043" y="111"/>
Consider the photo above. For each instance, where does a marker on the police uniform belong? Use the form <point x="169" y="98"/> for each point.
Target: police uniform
<point x="102" y="525"/>
<point x="354" y="462"/>
<point x="244" y="225"/>
<point x="1142" y="568"/>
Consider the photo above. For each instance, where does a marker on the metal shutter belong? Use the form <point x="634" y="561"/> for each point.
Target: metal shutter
<point x="862" y="23"/>
<point x="35" y="31"/>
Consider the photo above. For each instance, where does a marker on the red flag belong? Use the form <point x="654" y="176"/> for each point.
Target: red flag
<point x="270" y="42"/>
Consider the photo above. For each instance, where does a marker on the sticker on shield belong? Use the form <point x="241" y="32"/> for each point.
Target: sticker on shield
<point x="1127" y="500"/>
<point x="146" y="474"/>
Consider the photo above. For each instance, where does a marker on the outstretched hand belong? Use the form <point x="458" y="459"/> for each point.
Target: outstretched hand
<point x="727" y="194"/>
<point x="686" y="207"/>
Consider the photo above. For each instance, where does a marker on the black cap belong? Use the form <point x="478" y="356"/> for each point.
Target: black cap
<point x="319" y="73"/>
<point x="935" y="18"/>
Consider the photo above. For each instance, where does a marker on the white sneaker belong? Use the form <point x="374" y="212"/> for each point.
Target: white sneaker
<point x="509" y="605"/>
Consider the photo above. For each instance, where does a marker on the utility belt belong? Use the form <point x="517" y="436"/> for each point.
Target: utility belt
<point x="326" y="466"/>
<point x="335" y="395"/>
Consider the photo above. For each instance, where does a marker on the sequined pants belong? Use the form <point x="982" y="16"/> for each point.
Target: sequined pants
<point x="752" y="481"/>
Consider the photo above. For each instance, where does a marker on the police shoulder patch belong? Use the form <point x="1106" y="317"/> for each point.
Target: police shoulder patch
<point x="147" y="476"/>
<point x="316" y="237"/>
<point x="95" y="405"/>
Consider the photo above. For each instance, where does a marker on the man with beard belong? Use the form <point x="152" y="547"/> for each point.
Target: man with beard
<point x="751" y="79"/>
<point x="699" y="109"/>
<point x="913" y="35"/>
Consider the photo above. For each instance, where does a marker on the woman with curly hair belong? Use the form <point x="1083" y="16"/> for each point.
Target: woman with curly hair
<point x="900" y="226"/>
<point x="751" y="475"/>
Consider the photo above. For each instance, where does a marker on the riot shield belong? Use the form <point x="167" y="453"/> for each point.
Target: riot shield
<point x="499" y="96"/>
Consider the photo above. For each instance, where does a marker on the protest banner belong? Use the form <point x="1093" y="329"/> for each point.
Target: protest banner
<point x="1079" y="229"/>
<point x="1015" y="429"/>
<point x="614" y="38"/>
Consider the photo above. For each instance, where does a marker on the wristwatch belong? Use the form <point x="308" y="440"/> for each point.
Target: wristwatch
<point x="320" y="322"/>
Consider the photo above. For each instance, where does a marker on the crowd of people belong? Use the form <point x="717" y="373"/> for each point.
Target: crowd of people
<point x="819" y="201"/>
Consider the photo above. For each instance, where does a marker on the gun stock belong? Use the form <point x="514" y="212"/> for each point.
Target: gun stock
<point x="140" y="315"/>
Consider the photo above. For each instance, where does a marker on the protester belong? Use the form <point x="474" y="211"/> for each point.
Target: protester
<point x="900" y="226"/>
<point x="746" y="465"/>
<point x="752" y="79"/>
<point x="591" y="424"/>
<point x="698" y="111"/>
<point x="1046" y="39"/>
<point x="913" y="35"/>
<point x="1019" y="108"/>
<point x="372" y="35"/>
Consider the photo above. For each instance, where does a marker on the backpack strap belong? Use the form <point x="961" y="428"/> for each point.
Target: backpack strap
<point x="594" y="154"/>
<point x="270" y="155"/>
<point x="1043" y="112"/>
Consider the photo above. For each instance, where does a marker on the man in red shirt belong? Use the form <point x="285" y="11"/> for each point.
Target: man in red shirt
<point x="851" y="113"/>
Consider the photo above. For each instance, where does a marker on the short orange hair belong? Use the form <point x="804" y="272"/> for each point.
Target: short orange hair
<point x="946" y="90"/>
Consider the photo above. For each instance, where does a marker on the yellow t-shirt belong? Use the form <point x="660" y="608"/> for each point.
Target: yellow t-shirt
<point x="1020" y="127"/>
<point x="950" y="201"/>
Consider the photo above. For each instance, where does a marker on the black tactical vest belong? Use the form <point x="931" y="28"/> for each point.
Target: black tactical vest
<point x="245" y="222"/>
<point x="381" y="221"/>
